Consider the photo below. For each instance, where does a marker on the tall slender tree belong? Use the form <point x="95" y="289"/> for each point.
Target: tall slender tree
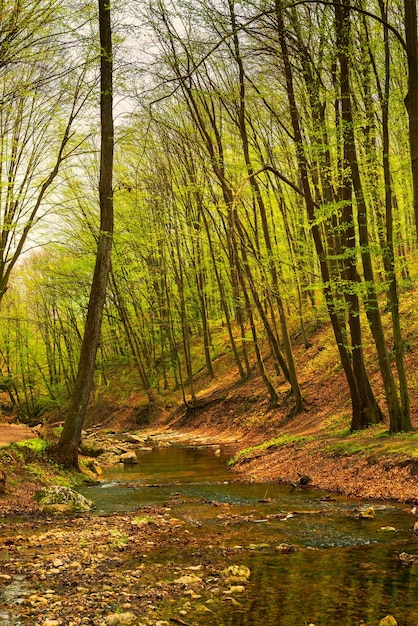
<point x="67" y="449"/>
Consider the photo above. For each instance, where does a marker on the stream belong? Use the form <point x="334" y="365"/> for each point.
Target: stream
<point x="313" y="558"/>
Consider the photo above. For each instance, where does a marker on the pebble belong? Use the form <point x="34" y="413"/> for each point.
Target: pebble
<point x="120" y="619"/>
<point x="236" y="589"/>
<point x="389" y="620"/>
<point x="188" y="579"/>
<point x="239" y="571"/>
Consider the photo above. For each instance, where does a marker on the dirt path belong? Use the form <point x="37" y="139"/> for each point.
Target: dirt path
<point x="10" y="433"/>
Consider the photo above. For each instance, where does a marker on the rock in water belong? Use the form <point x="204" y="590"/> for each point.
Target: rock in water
<point x="408" y="559"/>
<point x="59" y="499"/>
<point x="129" y="458"/>
<point x="91" y="448"/>
<point x="130" y="438"/>
<point x="367" y="513"/>
<point x="188" y="579"/>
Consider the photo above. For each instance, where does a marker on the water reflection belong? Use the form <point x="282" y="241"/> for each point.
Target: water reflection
<point x="329" y="588"/>
<point x="344" y="569"/>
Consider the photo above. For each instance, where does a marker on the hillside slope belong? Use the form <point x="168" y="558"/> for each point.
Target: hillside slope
<point x="276" y="445"/>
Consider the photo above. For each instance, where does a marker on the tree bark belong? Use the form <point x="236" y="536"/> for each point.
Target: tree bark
<point x="67" y="449"/>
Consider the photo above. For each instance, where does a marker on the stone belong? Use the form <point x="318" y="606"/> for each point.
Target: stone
<point x="367" y="513"/>
<point x="192" y="594"/>
<point x="109" y="458"/>
<point x="94" y="468"/>
<point x="131" y="438"/>
<point x="62" y="500"/>
<point x="416" y="528"/>
<point x="91" y="448"/>
<point x="237" y="571"/>
<point x="129" y="458"/>
<point x="236" y="589"/>
<point x="57" y="509"/>
<point x="188" y="579"/>
<point x="51" y="622"/>
<point x="120" y="619"/>
<point x="285" y="548"/>
<point x="408" y="559"/>
<point x="389" y="620"/>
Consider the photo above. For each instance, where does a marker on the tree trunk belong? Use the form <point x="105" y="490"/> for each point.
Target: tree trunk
<point x="67" y="449"/>
<point x="371" y="299"/>
<point x="411" y="100"/>
<point x="288" y="367"/>
<point x="370" y="412"/>
<point x="316" y="233"/>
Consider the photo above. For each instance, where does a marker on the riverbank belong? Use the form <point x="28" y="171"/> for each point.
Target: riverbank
<point x="367" y="465"/>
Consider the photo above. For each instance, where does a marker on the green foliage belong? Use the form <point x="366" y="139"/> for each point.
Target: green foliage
<point x="182" y="189"/>
<point x="347" y="447"/>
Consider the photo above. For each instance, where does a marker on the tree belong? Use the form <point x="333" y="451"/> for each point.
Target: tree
<point x="41" y="95"/>
<point x="67" y="448"/>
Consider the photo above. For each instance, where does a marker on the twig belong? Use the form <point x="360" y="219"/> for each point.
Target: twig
<point x="176" y="620"/>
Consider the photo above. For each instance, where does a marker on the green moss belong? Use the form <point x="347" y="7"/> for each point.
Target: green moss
<point x="36" y="445"/>
<point x="56" y="432"/>
<point x="276" y="442"/>
<point x="347" y="448"/>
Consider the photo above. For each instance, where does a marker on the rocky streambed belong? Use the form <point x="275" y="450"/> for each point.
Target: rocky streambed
<point x="112" y="570"/>
<point x="175" y="538"/>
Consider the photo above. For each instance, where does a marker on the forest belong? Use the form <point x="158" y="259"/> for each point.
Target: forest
<point x="261" y="162"/>
<point x="208" y="325"/>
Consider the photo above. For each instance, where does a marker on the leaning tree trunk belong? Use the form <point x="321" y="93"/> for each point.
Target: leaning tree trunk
<point x="67" y="449"/>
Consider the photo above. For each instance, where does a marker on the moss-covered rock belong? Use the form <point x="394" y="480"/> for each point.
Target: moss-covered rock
<point x="58" y="499"/>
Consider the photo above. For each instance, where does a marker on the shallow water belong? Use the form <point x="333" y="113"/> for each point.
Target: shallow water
<point x="344" y="569"/>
